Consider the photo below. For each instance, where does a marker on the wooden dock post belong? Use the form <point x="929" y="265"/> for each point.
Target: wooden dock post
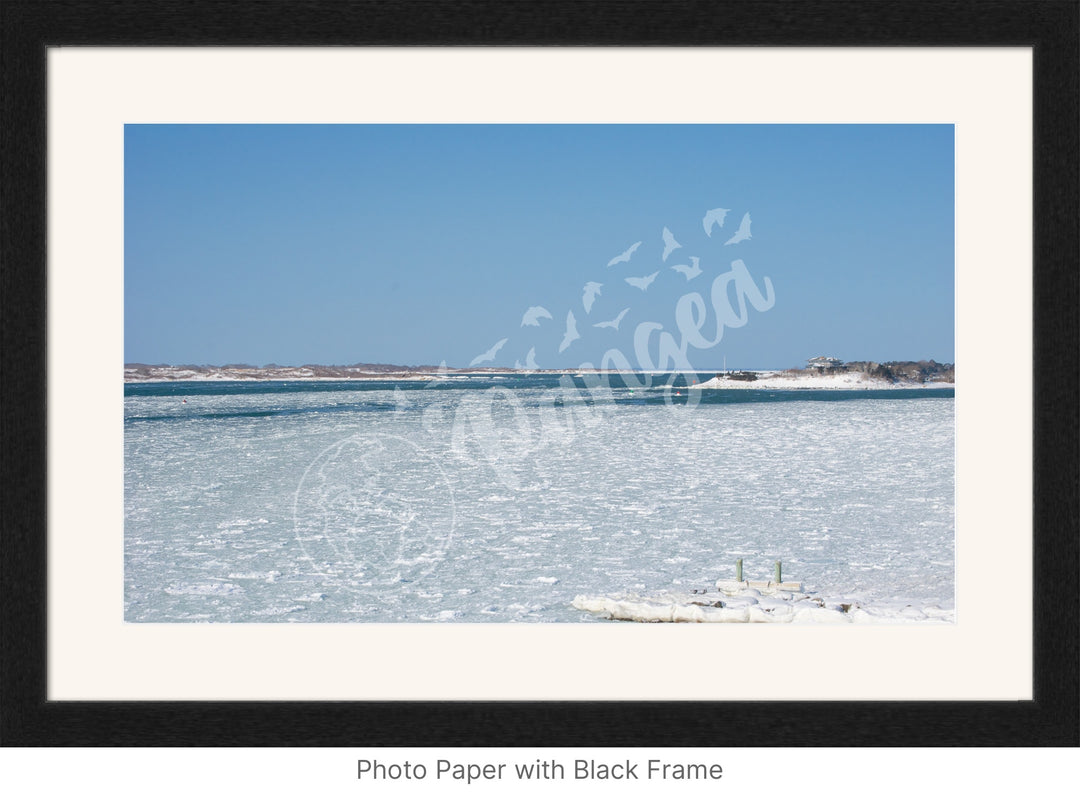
<point x="739" y="585"/>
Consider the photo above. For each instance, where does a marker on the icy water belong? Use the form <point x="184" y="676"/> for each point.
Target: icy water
<point x="501" y="499"/>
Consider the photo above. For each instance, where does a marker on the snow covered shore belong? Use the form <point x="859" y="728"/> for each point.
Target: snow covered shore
<point x="765" y="379"/>
<point x="779" y="380"/>
<point x="167" y="373"/>
<point x="750" y="606"/>
<point x="162" y="373"/>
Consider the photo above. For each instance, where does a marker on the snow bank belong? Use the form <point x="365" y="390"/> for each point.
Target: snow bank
<point x="777" y="380"/>
<point x="752" y="607"/>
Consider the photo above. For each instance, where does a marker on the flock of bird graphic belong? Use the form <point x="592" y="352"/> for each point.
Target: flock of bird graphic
<point x="713" y="219"/>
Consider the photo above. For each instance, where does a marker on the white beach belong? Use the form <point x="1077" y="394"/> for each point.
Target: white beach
<point x="778" y="380"/>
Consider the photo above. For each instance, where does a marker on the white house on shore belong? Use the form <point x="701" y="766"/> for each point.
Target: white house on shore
<point x="822" y="362"/>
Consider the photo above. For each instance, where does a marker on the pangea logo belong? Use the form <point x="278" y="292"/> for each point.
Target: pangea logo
<point x="374" y="510"/>
<point x="701" y="317"/>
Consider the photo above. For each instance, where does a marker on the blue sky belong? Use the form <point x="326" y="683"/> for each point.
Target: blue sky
<point x="417" y="244"/>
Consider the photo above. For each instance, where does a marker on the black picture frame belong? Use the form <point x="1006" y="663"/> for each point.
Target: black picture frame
<point x="1050" y="27"/>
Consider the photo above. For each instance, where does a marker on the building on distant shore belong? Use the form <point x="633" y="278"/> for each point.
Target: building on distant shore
<point x="823" y="362"/>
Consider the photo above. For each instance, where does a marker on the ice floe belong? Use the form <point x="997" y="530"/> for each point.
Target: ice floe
<point x="747" y="605"/>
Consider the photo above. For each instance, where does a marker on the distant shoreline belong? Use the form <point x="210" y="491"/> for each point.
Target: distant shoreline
<point x="165" y="373"/>
<point x="792" y="379"/>
<point x="789" y="380"/>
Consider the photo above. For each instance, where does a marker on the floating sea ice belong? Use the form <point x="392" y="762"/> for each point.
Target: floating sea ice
<point x="276" y="611"/>
<point x="203" y="589"/>
<point x="240" y="523"/>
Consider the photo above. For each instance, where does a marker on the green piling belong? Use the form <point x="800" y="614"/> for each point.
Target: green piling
<point x="776" y="573"/>
<point x="738" y="570"/>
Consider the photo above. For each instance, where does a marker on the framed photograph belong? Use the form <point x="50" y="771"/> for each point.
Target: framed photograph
<point x="411" y="374"/>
